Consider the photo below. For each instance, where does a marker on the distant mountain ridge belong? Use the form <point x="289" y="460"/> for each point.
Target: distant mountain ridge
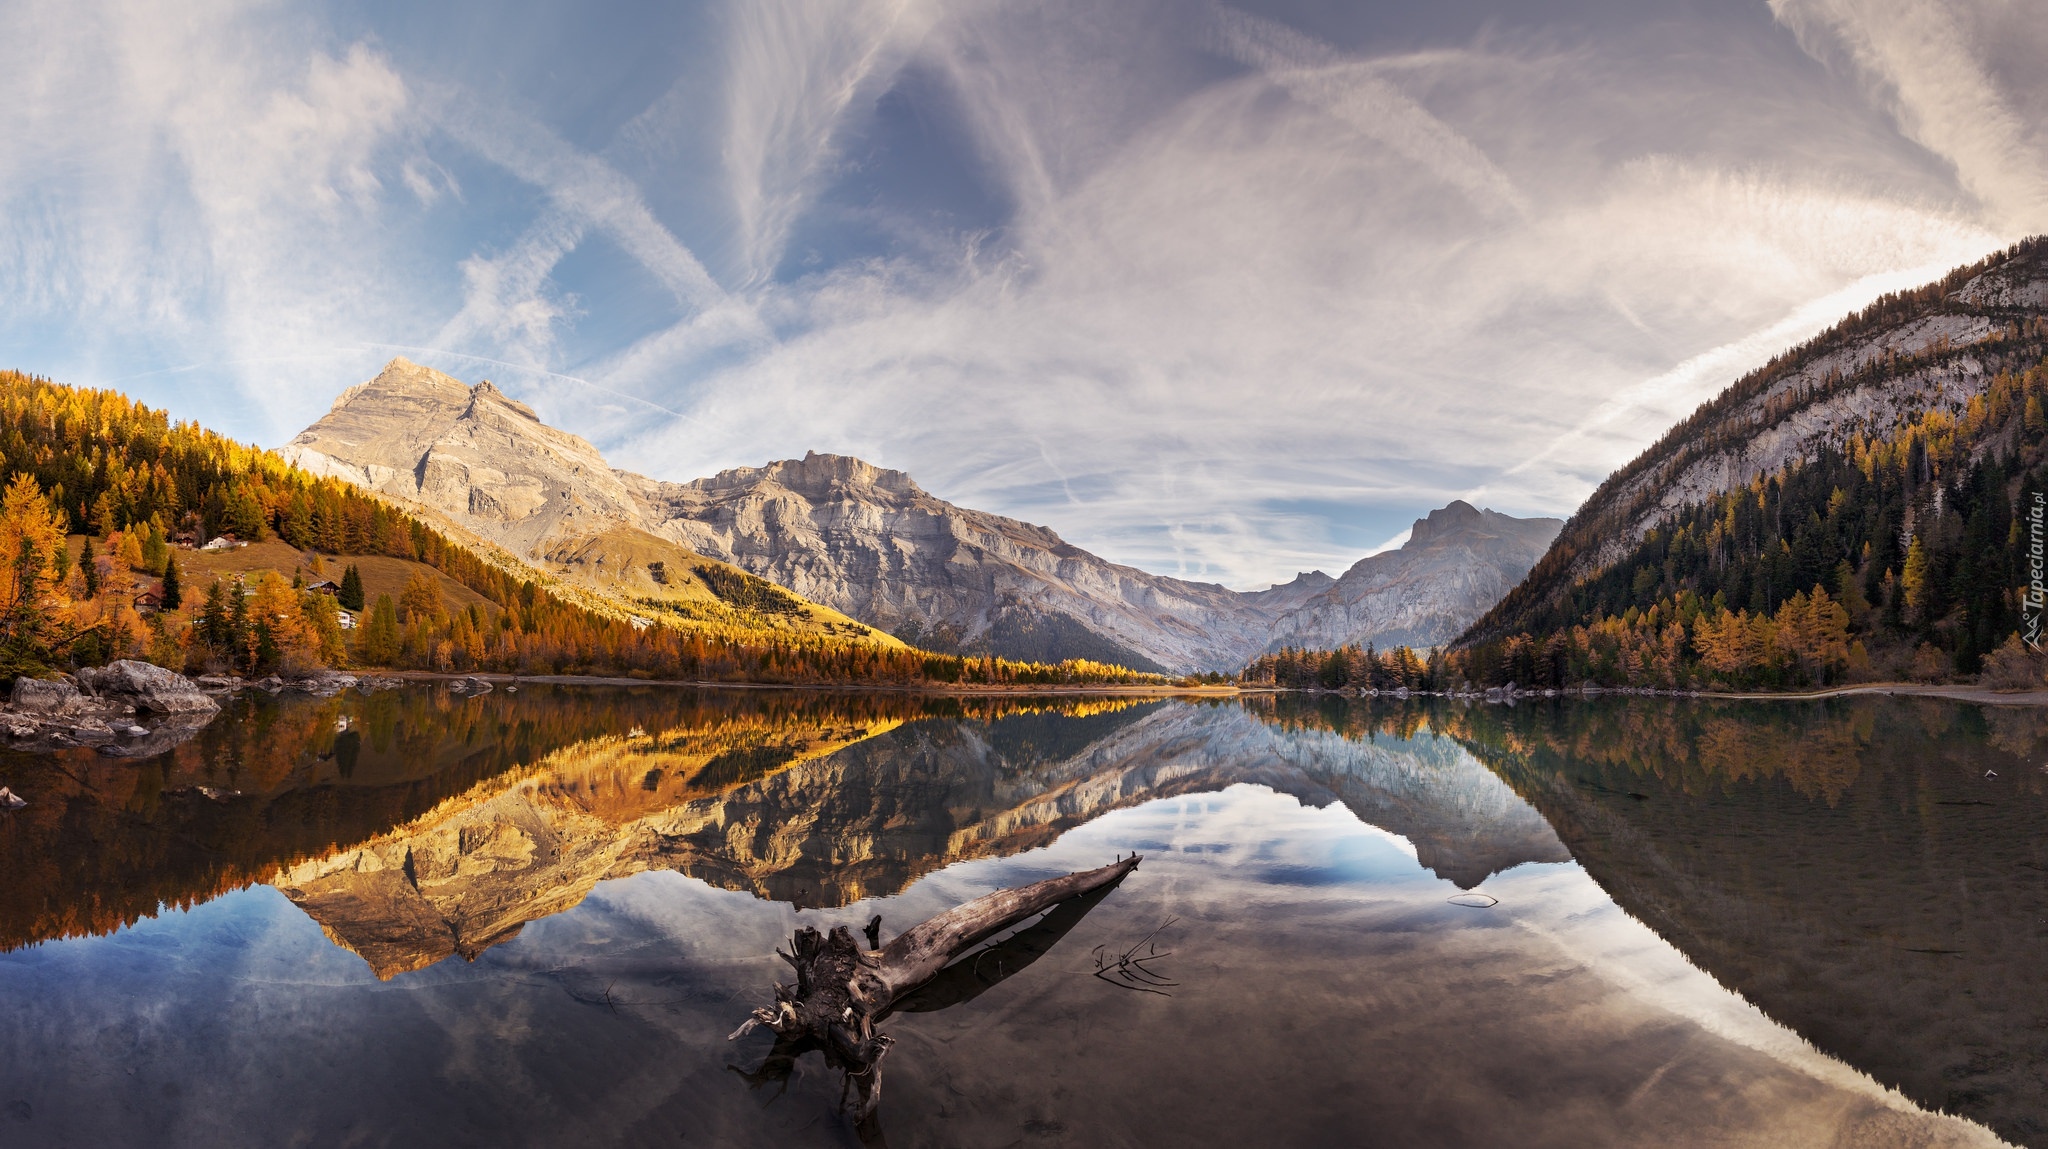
<point x="869" y="542"/>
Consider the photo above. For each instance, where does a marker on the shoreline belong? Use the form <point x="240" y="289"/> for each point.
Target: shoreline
<point x="1957" y="692"/>
<point x="497" y="678"/>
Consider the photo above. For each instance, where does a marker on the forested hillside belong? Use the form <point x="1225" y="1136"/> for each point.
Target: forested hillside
<point x="141" y="490"/>
<point x="1889" y="541"/>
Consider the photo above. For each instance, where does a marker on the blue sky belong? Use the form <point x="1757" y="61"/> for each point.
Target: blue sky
<point x="1225" y="291"/>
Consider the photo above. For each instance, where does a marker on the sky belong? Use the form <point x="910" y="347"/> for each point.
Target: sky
<point x="1224" y="291"/>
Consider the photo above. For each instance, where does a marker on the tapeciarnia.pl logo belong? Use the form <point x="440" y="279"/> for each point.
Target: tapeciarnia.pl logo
<point x="2037" y="561"/>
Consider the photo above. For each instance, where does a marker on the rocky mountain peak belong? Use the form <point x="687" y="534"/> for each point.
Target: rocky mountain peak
<point x="1460" y="518"/>
<point x="403" y="378"/>
<point x="1457" y="515"/>
<point x="817" y="477"/>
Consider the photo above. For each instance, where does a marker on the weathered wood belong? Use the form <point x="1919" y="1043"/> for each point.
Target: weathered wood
<point x="918" y="954"/>
<point x="842" y="990"/>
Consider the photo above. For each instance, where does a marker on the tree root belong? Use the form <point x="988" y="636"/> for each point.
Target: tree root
<point x="842" y="989"/>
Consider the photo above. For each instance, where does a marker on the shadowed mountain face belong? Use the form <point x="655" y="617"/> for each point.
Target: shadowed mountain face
<point x="870" y="543"/>
<point x="1850" y="867"/>
<point x="1456" y="564"/>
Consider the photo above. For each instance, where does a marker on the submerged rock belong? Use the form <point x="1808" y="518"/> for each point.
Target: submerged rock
<point x="9" y="800"/>
<point x="324" y="684"/>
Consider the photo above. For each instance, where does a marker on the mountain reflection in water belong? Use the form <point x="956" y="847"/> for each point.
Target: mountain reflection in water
<point x="1805" y="856"/>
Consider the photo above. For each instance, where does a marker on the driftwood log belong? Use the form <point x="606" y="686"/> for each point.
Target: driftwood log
<point x="842" y="989"/>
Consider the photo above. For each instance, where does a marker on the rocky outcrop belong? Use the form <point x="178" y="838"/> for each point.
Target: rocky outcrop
<point x="1456" y="564"/>
<point x="866" y="541"/>
<point x="147" y="687"/>
<point x="105" y="707"/>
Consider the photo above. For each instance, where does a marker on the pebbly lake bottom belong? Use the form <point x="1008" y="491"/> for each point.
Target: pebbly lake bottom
<point x="1320" y="986"/>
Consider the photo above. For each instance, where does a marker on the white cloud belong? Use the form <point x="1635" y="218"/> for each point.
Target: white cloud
<point x="1931" y="60"/>
<point x="1352" y="91"/>
<point x="212" y="194"/>
<point x="1244" y="304"/>
<point x="794" y="70"/>
<point x="1255" y="299"/>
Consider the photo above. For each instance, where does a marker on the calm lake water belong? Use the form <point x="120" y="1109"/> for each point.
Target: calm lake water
<point x="414" y="918"/>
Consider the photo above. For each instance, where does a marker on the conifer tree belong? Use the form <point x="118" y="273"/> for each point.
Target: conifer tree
<point x="173" y="594"/>
<point x="351" y="593"/>
<point x="216" y="620"/>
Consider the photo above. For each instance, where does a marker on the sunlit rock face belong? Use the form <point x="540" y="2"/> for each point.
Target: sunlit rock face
<point x="875" y="545"/>
<point x="480" y="458"/>
<point x="824" y="816"/>
<point x="869" y="542"/>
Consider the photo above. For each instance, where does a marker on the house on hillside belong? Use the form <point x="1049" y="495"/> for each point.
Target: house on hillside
<point x="324" y="586"/>
<point x="347" y="620"/>
<point x="148" y="603"/>
<point x="223" y="543"/>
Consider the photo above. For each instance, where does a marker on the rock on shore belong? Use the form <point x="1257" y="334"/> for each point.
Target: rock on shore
<point x="100" y="707"/>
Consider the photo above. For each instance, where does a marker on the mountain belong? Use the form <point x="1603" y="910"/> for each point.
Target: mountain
<point x="869" y="543"/>
<point x="1456" y="564"/>
<point x="483" y="463"/>
<point x="1849" y="508"/>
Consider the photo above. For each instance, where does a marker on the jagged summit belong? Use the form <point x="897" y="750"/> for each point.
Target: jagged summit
<point x="1460" y="518"/>
<point x="814" y="474"/>
<point x="471" y="453"/>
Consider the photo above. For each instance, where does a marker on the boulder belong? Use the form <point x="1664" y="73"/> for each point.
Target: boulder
<point x="148" y="687"/>
<point x="46" y="696"/>
<point x="325" y="684"/>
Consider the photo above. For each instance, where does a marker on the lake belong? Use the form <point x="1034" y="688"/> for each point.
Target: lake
<point x="413" y="917"/>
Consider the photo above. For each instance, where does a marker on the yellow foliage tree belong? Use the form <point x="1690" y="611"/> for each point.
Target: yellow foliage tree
<point x="34" y="608"/>
<point x="1915" y="578"/>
